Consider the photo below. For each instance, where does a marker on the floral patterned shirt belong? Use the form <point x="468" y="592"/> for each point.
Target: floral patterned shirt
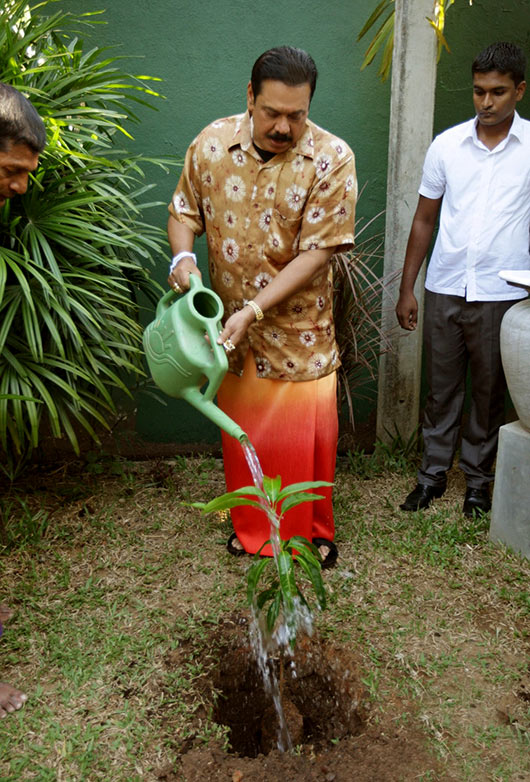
<point x="260" y="215"/>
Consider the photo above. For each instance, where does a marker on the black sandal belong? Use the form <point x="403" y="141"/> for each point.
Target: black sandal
<point x="332" y="555"/>
<point x="236" y="552"/>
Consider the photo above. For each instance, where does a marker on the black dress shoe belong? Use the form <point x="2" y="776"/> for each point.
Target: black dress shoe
<point x="476" y="500"/>
<point x="422" y="496"/>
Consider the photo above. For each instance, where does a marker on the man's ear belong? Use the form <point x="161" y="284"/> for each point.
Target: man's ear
<point x="520" y="90"/>
<point x="250" y="98"/>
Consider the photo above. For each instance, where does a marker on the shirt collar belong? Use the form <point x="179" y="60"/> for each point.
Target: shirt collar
<point x="516" y="130"/>
<point x="243" y="137"/>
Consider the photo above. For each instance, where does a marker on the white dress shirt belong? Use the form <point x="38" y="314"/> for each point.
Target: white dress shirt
<point x="485" y="214"/>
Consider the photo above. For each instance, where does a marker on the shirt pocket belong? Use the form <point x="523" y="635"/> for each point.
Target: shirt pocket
<point x="510" y="193"/>
<point x="281" y="245"/>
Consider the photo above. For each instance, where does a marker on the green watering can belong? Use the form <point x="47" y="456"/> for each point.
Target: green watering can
<point x="180" y="358"/>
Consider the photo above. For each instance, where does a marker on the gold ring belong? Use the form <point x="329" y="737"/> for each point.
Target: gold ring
<point x="228" y="345"/>
<point x="176" y="287"/>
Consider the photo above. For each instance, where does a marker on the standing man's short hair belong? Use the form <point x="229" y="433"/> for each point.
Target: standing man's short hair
<point x="286" y="64"/>
<point x="503" y="57"/>
<point x="19" y="121"/>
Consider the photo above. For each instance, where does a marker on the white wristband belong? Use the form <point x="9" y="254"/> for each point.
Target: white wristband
<point x="179" y="256"/>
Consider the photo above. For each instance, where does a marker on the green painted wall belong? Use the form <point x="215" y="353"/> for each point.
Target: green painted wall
<point x="204" y="52"/>
<point x="470" y="29"/>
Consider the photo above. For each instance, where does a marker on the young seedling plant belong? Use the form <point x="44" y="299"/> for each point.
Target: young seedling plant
<point x="274" y="589"/>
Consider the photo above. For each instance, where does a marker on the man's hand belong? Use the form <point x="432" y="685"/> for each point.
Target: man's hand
<point x="181" y="274"/>
<point x="407" y="311"/>
<point x="236" y="326"/>
<point x="419" y="239"/>
<point x="181" y="239"/>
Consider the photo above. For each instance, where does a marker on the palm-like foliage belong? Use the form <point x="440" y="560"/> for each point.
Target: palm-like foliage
<point x="383" y="40"/>
<point x="358" y="290"/>
<point x="74" y="250"/>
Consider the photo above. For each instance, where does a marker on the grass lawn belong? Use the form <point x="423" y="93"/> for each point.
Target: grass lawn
<point x="117" y="588"/>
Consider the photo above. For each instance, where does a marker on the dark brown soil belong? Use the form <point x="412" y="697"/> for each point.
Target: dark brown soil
<point x="335" y="734"/>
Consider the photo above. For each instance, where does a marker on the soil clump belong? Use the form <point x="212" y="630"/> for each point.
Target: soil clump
<point x="335" y="733"/>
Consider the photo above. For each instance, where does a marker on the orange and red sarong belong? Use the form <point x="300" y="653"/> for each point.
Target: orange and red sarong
<point x="294" y="429"/>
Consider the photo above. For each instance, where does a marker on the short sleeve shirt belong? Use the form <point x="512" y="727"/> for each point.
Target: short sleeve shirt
<point x="485" y="214"/>
<point x="258" y="216"/>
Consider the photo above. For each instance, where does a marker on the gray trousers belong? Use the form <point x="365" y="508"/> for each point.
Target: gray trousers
<point x="459" y="334"/>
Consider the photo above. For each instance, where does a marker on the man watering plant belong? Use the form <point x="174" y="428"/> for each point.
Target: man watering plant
<point x="276" y="197"/>
<point x="22" y="139"/>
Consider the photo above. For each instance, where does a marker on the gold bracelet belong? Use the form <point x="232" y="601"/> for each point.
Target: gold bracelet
<point x="257" y="309"/>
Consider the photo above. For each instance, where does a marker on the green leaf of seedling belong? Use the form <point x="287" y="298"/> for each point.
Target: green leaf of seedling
<point x="254" y="574"/>
<point x="258" y="552"/>
<point x="266" y="595"/>
<point x="305" y="547"/>
<point x="273" y="612"/>
<point x="229" y="500"/>
<point x="298" y="499"/>
<point x="294" y="488"/>
<point x="222" y="504"/>
<point x="287" y="580"/>
<point x="302" y="599"/>
<point x="314" y="573"/>
<point x="271" y="487"/>
<point x="251" y="490"/>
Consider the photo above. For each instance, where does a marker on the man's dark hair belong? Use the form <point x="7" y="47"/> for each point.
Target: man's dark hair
<point x="504" y="57"/>
<point x="19" y="121"/>
<point x="287" y="64"/>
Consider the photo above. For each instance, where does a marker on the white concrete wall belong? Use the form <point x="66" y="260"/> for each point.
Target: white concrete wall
<point x="411" y="120"/>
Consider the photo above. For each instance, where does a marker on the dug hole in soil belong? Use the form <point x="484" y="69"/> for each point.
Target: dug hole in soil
<point x="334" y="732"/>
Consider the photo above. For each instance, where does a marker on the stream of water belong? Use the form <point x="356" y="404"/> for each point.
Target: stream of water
<point x="267" y="647"/>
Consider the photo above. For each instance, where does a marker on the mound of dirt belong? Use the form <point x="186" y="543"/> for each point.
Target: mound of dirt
<point x="336" y="735"/>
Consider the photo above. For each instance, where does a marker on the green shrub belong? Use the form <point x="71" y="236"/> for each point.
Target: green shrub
<point x="75" y="249"/>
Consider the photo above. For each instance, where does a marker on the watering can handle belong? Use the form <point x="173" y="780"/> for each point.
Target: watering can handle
<point x="217" y="371"/>
<point x="169" y="297"/>
<point x="165" y="302"/>
<point x="219" y="366"/>
<point x="195" y="282"/>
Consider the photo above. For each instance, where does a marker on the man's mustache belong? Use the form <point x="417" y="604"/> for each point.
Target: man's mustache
<point x="280" y="137"/>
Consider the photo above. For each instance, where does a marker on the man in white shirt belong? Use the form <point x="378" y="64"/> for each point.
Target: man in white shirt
<point x="478" y="173"/>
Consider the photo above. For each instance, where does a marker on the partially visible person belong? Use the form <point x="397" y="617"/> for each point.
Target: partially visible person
<point x="11" y="699"/>
<point x="276" y="196"/>
<point x="22" y="139"/>
<point x="478" y="173"/>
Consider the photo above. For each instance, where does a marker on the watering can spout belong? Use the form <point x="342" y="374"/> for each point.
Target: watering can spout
<point x="181" y="360"/>
<point x="214" y="413"/>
